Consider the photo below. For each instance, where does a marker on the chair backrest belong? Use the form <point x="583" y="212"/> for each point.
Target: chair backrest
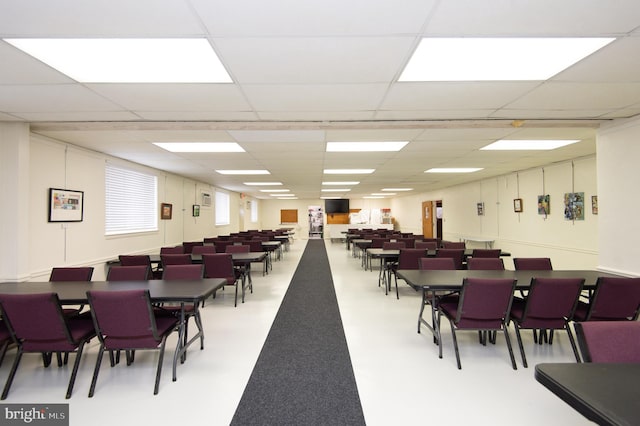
<point x="408" y="242"/>
<point x="609" y="341"/>
<point x="454" y="245"/>
<point x="219" y="265"/>
<point x="552" y="300"/>
<point x="254" y="245"/>
<point x="237" y="248"/>
<point x="189" y="245"/>
<point x="485" y="263"/>
<point x="203" y="249"/>
<point x="35" y="320"/>
<point x="437" y="263"/>
<point x="82" y="273"/>
<point x="456" y="254"/>
<point x="172" y="250"/>
<point x="378" y="242"/>
<point x="484" y="303"/>
<point x="136" y="259"/>
<point x="182" y="272"/>
<point x="532" y="264"/>
<point x="128" y="273"/>
<point x="426" y="245"/>
<point x="175" y="259"/>
<point x="615" y="299"/>
<point x="124" y="319"/>
<point x="393" y="245"/>
<point x="486" y="253"/>
<point x="409" y="258"/>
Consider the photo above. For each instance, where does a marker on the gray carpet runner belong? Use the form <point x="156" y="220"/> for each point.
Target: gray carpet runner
<point x="303" y="375"/>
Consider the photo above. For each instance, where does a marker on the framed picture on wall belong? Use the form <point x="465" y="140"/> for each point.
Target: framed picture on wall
<point x="517" y="205"/>
<point x="165" y="211"/>
<point x="65" y="205"/>
<point x="594" y="204"/>
<point x="480" y="207"/>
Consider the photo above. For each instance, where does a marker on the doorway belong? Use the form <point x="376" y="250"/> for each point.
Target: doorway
<point x="432" y="219"/>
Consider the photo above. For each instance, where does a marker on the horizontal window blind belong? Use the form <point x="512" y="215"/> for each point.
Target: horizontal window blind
<point x="223" y="216"/>
<point x="131" y="201"/>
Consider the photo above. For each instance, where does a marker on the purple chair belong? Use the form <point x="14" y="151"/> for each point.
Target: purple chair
<point x="5" y="340"/>
<point x="532" y="264"/>
<point x="220" y="265"/>
<point x="549" y="305"/>
<point x="437" y="263"/>
<point x="203" y="249"/>
<point x="409" y="258"/>
<point x="426" y="245"/>
<point x="192" y="271"/>
<point x="486" y="253"/>
<point x="393" y="245"/>
<point x="485" y="263"/>
<point x="456" y="254"/>
<point x="82" y="273"/>
<point x="44" y="333"/>
<point x="128" y="273"/>
<point x="174" y="259"/>
<point x="189" y="245"/>
<point x="125" y="320"/>
<point x="237" y="248"/>
<point x="609" y="341"/>
<point x="454" y="245"/>
<point x="484" y="305"/>
<point x="614" y="299"/>
<point x="140" y="259"/>
<point x="172" y="250"/>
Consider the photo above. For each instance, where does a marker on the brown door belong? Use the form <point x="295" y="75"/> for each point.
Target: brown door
<point x="427" y="219"/>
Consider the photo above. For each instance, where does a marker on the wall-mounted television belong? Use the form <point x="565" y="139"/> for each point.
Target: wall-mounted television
<point x="336" y="206"/>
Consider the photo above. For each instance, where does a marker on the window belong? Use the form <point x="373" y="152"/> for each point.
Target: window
<point x="131" y="201"/>
<point x="222" y="208"/>
<point x="254" y="211"/>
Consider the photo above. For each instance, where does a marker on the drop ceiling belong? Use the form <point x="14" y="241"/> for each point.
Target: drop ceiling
<point x="308" y="72"/>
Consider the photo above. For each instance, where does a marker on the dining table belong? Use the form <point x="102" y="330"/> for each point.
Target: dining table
<point x="184" y="292"/>
<point x="605" y="393"/>
<point x="433" y="283"/>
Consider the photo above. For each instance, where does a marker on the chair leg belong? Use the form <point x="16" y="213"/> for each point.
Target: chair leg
<point x="198" y="320"/>
<point x="46" y="359"/>
<point x="159" y="370"/>
<point x="235" y="301"/>
<point x="12" y="373"/>
<point x="74" y="371"/>
<point x="508" y="339"/>
<point x="3" y="351"/>
<point x="455" y="344"/>
<point x="519" y="338"/>
<point x="96" y="370"/>
<point x="573" y="343"/>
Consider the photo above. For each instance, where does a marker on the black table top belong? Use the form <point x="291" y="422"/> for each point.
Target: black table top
<point x="75" y="292"/>
<point x="607" y="394"/>
<point x="452" y="280"/>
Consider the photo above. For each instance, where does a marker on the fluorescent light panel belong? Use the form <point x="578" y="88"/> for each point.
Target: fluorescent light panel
<point x="496" y="59"/>
<point x="335" y="190"/>
<point x="396" y="189"/>
<point x="283" y="195"/>
<point x="377" y="194"/>
<point x="348" y="171"/>
<point x="453" y="170"/>
<point x="243" y="172"/>
<point x="102" y="60"/>
<point x="341" y="183"/>
<point x="365" y="146"/>
<point x="274" y="190"/>
<point x="329" y="198"/>
<point x="262" y="183"/>
<point x="530" y="145"/>
<point x="200" y="146"/>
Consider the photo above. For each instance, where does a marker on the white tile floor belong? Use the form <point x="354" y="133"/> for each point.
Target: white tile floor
<point x="400" y="379"/>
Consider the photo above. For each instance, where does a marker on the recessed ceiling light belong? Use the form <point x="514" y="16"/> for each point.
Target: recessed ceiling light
<point x="487" y="59"/>
<point x="98" y="60"/>
<point x="287" y="198"/>
<point x="243" y="172"/>
<point x="335" y="190"/>
<point x="200" y="146"/>
<point x="365" y="146"/>
<point x="396" y="189"/>
<point x="283" y="195"/>
<point x="348" y="171"/>
<point x="531" y="145"/>
<point x="274" y="190"/>
<point x="341" y="183"/>
<point x="453" y="170"/>
<point x="262" y="183"/>
<point x="383" y="194"/>
<point x="329" y="198"/>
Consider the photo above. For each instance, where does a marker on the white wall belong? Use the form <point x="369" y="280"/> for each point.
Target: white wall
<point x="57" y="165"/>
<point x="570" y="244"/>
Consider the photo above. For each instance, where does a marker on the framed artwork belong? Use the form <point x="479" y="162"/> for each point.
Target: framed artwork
<point x="196" y="210"/>
<point x="480" y="207"/>
<point x="517" y="205"/>
<point x="594" y="204"/>
<point x="65" y="205"/>
<point x="165" y="211"/>
<point x="544" y="206"/>
<point x="574" y="206"/>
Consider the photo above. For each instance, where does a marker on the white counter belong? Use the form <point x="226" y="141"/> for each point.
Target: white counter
<point x="338" y="230"/>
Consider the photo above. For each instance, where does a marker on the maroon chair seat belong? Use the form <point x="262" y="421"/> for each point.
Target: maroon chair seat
<point x="609" y="341"/>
